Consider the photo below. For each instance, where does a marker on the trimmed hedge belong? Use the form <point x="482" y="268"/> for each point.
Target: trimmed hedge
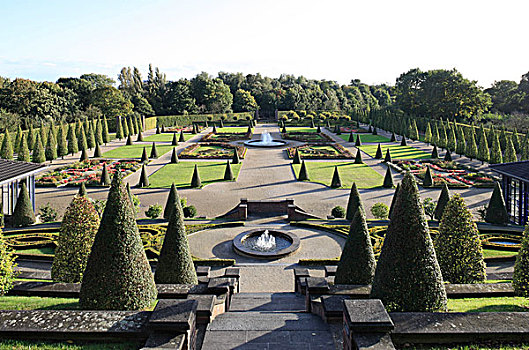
<point x="185" y="120"/>
<point x="23" y="214"/>
<point x="521" y="267"/>
<point x="353" y="203"/>
<point x="496" y="211"/>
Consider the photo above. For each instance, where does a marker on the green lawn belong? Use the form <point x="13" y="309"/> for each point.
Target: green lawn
<point x="366" y="138"/>
<point x="396" y="151"/>
<point x="235" y="129"/>
<point x="182" y="172"/>
<point x="166" y="137"/>
<point x="37" y="303"/>
<point x="67" y="345"/>
<point x="135" y="150"/>
<point x="41" y="250"/>
<point x="490" y="253"/>
<point x="489" y="304"/>
<point x="300" y="129"/>
<point x="322" y="172"/>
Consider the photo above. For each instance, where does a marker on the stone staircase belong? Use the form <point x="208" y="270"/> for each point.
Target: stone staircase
<point x="268" y="321"/>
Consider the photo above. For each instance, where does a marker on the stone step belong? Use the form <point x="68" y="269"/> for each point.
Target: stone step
<point x="267" y="321"/>
<point x="271" y="302"/>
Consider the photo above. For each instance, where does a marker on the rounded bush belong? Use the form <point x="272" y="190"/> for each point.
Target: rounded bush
<point x="190" y="211"/>
<point x="338" y="212"/>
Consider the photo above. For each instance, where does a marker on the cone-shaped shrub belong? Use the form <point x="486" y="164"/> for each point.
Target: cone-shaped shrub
<point x="520" y="280"/>
<point x="375" y="131"/>
<point x="336" y="182"/>
<point x="496" y="155"/>
<point x="174" y="142"/>
<point x="357" y="262"/>
<point x="106" y="136"/>
<point x="169" y="205"/>
<point x="483" y="150"/>
<point x="76" y="236"/>
<point x="318" y="130"/>
<point x="144" y="178"/>
<point x="181" y="139"/>
<point x="23" y="153"/>
<point x="297" y="158"/>
<point x="18" y="139"/>
<point x="97" y="151"/>
<point x="163" y="129"/>
<point x="444" y="197"/>
<point x="448" y="156"/>
<point x="84" y="156"/>
<point x="144" y="157"/>
<point x="408" y="277"/>
<point x="31" y="137"/>
<point x="303" y="175"/>
<point x="428" y="179"/>
<point x="62" y="144"/>
<point x="428" y="133"/>
<point x="358" y="157"/>
<point x="73" y="144"/>
<point x="195" y="179"/>
<point x="99" y="132"/>
<point x="387" y="158"/>
<point x="6" y="152"/>
<point x="81" y="140"/>
<point x="351" y="137"/>
<point x="23" y="214"/>
<point x="38" y="155"/>
<point x="214" y="129"/>
<point x="388" y="179"/>
<point x="228" y="174"/>
<point x="105" y="176"/>
<point x="378" y="155"/>
<point x="51" y="146"/>
<point x="403" y="141"/>
<point x="195" y="129"/>
<point x="496" y="212"/>
<point x="249" y="131"/>
<point x="126" y="129"/>
<point x="117" y="275"/>
<point x="358" y="142"/>
<point x="458" y="246"/>
<point x="369" y="129"/>
<point x="435" y="153"/>
<point x="510" y="152"/>
<point x="129" y="140"/>
<point x="174" y="156"/>
<point x="82" y="190"/>
<point x="392" y="205"/>
<point x="335" y="130"/>
<point x="235" y="159"/>
<point x="393" y="137"/>
<point x="221" y="123"/>
<point x="472" y="146"/>
<point x="139" y="137"/>
<point x="119" y="129"/>
<point x="353" y="203"/>
<point x="90" y="137"/>
<point x="175" y="264"/>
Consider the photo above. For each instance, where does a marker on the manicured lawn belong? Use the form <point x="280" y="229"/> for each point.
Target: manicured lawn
<point x="166" y="137"/>
<point x="41" y="250"/>
<point x="300" y="129"/>
<point x="366" y="138"/>
<point x="322" y="172"/>
<point x="69" y="345"/>
<point x="236" y="129"/>
<point x="182" y="172"/>
<point x="489" y="253"/>
<point x="37" y="303"/>
<point x="135" y="150"/>
<point x="489" y="304"/>
<point x="396" y="151"/>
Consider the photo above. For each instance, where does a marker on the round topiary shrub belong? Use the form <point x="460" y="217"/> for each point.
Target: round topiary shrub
<point x="380" y="210"/>
<point x="76" y="236"/>
<point x="338" y="212"/>
<point x="190" y="211"/>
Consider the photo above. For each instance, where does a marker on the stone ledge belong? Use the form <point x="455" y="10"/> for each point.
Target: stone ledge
<point x="367" y="316"/>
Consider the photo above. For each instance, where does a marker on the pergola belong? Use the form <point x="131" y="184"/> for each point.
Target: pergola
<point x="12" y="173"/>
<point x="515" y="187"/>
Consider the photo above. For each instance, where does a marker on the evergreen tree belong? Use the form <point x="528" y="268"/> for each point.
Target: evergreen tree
<point x="472" y="146"/>
<point x="139" y="137"/>
<point x="297" y="158"/>
<point x="144" y="157"/>
<point x="195" y="179"/>
<point x="496" y="212"/>
<point x="491" y="136"/>
<point x="428" y="179"/>
<point x="403" y="141"/>
<point x="174" y="156"/>
<point x="387" y="158"/>
<point x="117" y="275"/>
<point x="428" y="134"/>
<point x="18" y="139"/>
<point x="144" y="178"/>
<point x="357" y="262"/>
<point x="235" y="159"/>
<point x="214" y="129"/>
<point x="228" y="174"/>
<point x="62" y="145"/>
<point x="105" y="176"/>
<point x="388" y="179"/>
<point x="524" y="150"/>
<point x="91" y="139"/>
<point x="31" y="137"/>
<point x="170" y="204"/>
<point x="97" y="152"/>
<point x="129" y="141"/>
<point x="503" y="139"/>
<point x="154" y="151"/>
<point x="458" y="246"/>
<point x="125" y="125"/>
<point x="38" y="155"/>
<point x="351" y="137"/>
<point x="516" y="141"/>
<point x="51" y="147"/>
<point x="43" y="132"/>
<point x="461" y="145"/>
<point x="336" y="182"/>
<point x="358" y="143"/>
<point x="106" y="136"/>
<point x="303" y="174"/>
<point x="130" y="127"/>
<point x="358" y="157"/>
<point x="23" y="153"/>
<point x="84" y="156"/>
<point x="99" y="132"/>
<point x="174" y="142"/>
<point x="520" y="281"/>
<point x="444" y="197"/>
<point x="483" y="151"/>
<point x="407" y="276"/>
<point x="393" y="137"/>
<point x="435" y="153"/>
<point x="414" y="133"/>
<point x="435" y="135"/>
<point x="73" y="144"/>
<point x="181" y="139"/>
<point x="452" y="140"/>
<point x="496" y="156"/>
<point x="392" y="205"/>
<point x="443" y="138"/>
<point x="82" y="190"/>
<point x="23" y="214"/>
<point x="378" y="155"/>
<point x="82" y="139"/>
<point x="448" y="156"/>
<point x="510" y="152"/>
<point x="6" y="152"/>
<point x="159" y="132"/>
<point x="76" y="236"/>
<point x="119" y="129"/>
<point x="353" y="203"/>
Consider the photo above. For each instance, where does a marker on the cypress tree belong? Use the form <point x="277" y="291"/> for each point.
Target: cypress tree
<point x="443" y="139"/>
<point x="38" y="155"/>
<point x="428" y="134"/>
<point x="520" y="281"/>
<point x="78" y="129"/>
<point x="318" y="130"/>
<point x="174" y="142"/>
<point x="369" y="129"/>
<point x="144" y="178"/>
<point x="235" y="159"/>
<point x="353" y="203"/>
<point x="137" y="128"/>
<point x="106" y="136"/>
<point x="375" y="131"/>
<point x="91" y="139"/>
<point x="144" y="157"/>
<point x="472" y="146"/>
<point x="169" y="205"/>
<point x="458" y="246"/>
<point x="336" y="182"/>
<point x="125" y="125"/>
<point x="387" y="158"/>
<point x="214" y="129"/>
<point x="43" y="132"/>
<point x="392" y="205"/>
<point x="496" y="156"/>
<point x="228" y="174"/>
<point x="99" y="132"/>
<point x="97" y="151"/>
<point x="163" y="128"/>
<point x="118" y="275"/>
<point x="448" y="156"/>
<point x="297" y="158"/>
<point x="452" y="141"/>
<point x="414" y="133"/>
<point x="119" y="129"/>
<point x="483" y="151"/>
<point x="444" y="197"/>
<point x="174" y="156"/>
<point x="460" y="145"/>
<point x="175" y="265"/>
<point x="358" y="143"/>
<point x="7" y="149"/>
<point x="23" y="214"/>
<point x="182" y="139"/>
<point x="303" y="175"/>
<point x="139" y="137"/>
<point x="51" y="147"/>
<point x="82" y="139"/>
<point x="62" y="145"/>
<point x="428" y="179"/>
<point x="435" y="134"/>
<point x="18" y="139"/>
<point x="358" y="157"/>
<point x="403" y="141"/>
<point x="73" y="144"/>
<point x="435" y="153"/>
<point x="503" y="139"/>
<point x="525" y="150"/>
<point x="516" y="140"/>
<point x="388" y="179"/>
<point x="130" y="126"/>
<point x="284" y="130"/>
<point x="491" y="136"/>
<point x="154" y="151"/>
<point x="408" y="277"/>
<point x="378" y="155"/>
<point x="510" y="152"/>
<point x="76" y="236"/>
<point x="351" y="137"/>
<point x="23" y="154"/>
<point x="357" y="262"/>
<point x="84" y="156"/>
<point x="105" y="177"/>
<point x="249" y="131"/>
<point x="496" y="211"/>
<point x="195" y="131"/>
<point x="31" y="137"/>
<point x="129" y="141"/>
<point x="393" y="137"/>
<point x="195" y="179"/>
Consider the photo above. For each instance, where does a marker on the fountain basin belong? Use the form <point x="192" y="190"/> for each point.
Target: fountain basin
<point x="260" y="143"/>
<point x="286" y="243"/>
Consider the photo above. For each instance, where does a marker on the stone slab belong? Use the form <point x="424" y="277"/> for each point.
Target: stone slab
<point x="272" y="302"/>
<point x="165" y="341"/>
<point x="330" y="270"/>
<point x="367" y="315"/>
<point x="479" y="290"/>
<point x="256" y="321"/>
<point x="45" y="289"/>
<point x="317" y="285"/>
<point x="203" y="270"/>
<point x="373" y="341"/>
<point x="174" y="315"/>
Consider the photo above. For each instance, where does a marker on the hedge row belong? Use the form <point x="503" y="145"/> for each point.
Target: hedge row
<point x="185" y="120"/>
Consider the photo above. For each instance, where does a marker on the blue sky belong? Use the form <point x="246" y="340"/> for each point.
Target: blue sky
<point x="374" y="41"/>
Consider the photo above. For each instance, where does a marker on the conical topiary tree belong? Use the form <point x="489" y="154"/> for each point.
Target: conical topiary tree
<point x="18" y="139"/>
<point x="84" y="156"/>
<point x="175" y="264"/>
<point x="181" y="139"/>
<point x="496" y="155"/>
<point x="358" y="157"/>
<point x="38" y="155"/>
<point x="97" y="151"/>
<point x="126" y="130"/>
<point x="520" y="281"/>
<point x="444" y="197"/>
<point x="351" y="137"/>
<point x="81" y="140"/>
<point x="428" y="134"/>
<point x="174" y="142"/>
<point x="174" y="156"/>
<point x="169" y="205"/>
<point x="357" y="262"/>
<point x="483" y="151"/>
<point x="144" y="157"/>
<point x="448" y="156"/>
<point x="235" y="159"/>
<point x="353" y="203"/>
<point x="458" y="246"/>
<point x="428" y="179"/>
<point x="129" y="141"/>
<point x="387" y="158"/>
<point x="496" y="212"/>
<point x="435" y="153"/>
<point x="472" y="146"/>
<point x="82" y="190"/>
<point x="76" y="236"/>
<point x="195" y="179"/>
<point x="358" y="143"/>
<point x="297" y="158"/>
<point x="510" y="152"/>
<point x="90" y="137"/>
<point x="62" y="144"/>
<point x="31" y="137"/>
<point x="6" y="152"/>
<point x="388" y="179"/>
<point x="51" y="146"/>
<point x="106" y="136"/>
<point x="403" y="141"/>
<point x="119" y="128"/>
<point x="336" y="182"/>
<point x="23" y="153"/>
<point x="378" y="155"/>
<point x="154" y="151"/>
<point x="144" y="178"/>
<point x="139" y="137"/>
<point x="73" y="144"/>
<point x="303" y="175"/>
<point x="228" y="174"/>
<point x="214" y="129"/>
<point x="408" y="276"/>
<point x="117" y="275"/>
<point x="23" y="214"/>
<point x="393" y="137"/>
<point x="105" y="176"/>
<point x="392" y="205"/>
<point x="99" y="132"/>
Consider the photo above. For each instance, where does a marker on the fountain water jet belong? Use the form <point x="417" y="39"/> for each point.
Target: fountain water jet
<point x="265" y="141"/>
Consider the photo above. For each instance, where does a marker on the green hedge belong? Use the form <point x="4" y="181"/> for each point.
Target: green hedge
<point x="150" y="123"/>
<point x="185" y="120"/>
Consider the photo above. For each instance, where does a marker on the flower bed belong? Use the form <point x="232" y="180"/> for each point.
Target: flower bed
<point x="321" y="151"/>
<point x="306" y="137"/>
<point x="348" y="129"/>
<point x="226" y="137"/>
<point x="451" y="173"/>
<point x="88" y="171"/>
<point x="186" y="129"/>
<point x="211" y="150"/>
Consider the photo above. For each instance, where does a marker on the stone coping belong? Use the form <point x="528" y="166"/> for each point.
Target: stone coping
<point x="240" y="248"/>
<point x="366" y="315"/>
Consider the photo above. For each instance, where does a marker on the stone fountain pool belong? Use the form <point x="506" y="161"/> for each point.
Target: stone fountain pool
<point x="267" y="244"/>
<point x="265" y="141"/>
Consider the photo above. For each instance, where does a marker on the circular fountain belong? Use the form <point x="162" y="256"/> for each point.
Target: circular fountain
<point x="267" y="244"/>
<point x="265" y="141"/>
